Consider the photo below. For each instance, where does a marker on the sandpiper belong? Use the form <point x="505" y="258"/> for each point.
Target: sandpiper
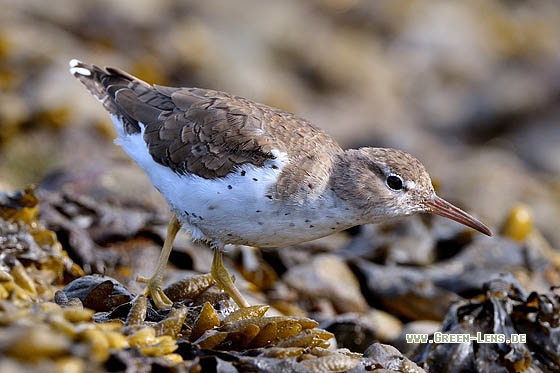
<point x="238" y="172"/>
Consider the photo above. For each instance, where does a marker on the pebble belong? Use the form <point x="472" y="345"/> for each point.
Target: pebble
<point x="329" y="277"/>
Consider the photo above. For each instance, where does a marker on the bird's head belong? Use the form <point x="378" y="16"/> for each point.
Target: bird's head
<point x="387" y="183"/>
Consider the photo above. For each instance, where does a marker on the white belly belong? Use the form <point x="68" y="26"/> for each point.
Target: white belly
<point x="236" y="209"/>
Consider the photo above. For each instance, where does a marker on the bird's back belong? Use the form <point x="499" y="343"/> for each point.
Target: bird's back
<point x="200" y="131"/>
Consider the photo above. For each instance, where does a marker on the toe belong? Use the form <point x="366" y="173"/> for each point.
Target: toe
<point x="161" y="300"/>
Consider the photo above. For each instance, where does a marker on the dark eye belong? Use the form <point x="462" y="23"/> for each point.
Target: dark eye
<point x="394" y="182"/>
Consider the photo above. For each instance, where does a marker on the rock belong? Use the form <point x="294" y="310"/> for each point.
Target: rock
<point x="327" y="276"/>
<point x="357" y="331"/>
<point x="388" y="357"/>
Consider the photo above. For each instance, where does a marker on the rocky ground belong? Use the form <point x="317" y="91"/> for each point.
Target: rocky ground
<point x="470" y="88"/>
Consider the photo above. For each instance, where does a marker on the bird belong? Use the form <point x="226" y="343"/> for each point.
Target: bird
<point x="235" y="171"/>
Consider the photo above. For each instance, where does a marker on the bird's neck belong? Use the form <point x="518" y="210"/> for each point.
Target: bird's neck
<point x="349" y="182"/>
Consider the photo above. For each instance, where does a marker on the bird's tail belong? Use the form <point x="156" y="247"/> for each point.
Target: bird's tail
<point x="92" y="77"/>
<point x="105" y="84"/>
<point x="102" y="84"/>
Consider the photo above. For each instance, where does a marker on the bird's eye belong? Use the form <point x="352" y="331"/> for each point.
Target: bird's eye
<point x="394" y="182"/>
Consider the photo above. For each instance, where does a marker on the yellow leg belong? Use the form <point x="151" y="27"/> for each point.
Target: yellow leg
<point x="223" y="279"/>
<point x="154" y="287"/>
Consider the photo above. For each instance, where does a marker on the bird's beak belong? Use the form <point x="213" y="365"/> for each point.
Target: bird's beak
<point x="441" y="207"/>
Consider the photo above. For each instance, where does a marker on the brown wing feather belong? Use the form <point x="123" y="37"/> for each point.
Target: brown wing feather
<point x="204" y="132"/>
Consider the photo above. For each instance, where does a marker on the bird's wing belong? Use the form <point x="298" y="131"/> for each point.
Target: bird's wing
<point x="204" y="132"/>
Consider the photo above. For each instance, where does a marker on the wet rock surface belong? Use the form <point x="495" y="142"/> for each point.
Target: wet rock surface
<point x="80" y="320"/>
<point x="470" y="88"/>
<point x="504" y="311"/>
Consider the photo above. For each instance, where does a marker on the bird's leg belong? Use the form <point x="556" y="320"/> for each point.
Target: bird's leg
<point x="155" y="283"/>
<point x="223" y="278"/>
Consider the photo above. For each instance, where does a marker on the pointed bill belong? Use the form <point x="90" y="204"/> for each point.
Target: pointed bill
<point x="441" y="207"/>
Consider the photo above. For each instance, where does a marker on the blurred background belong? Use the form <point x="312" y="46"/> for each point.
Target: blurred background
<point x="472" y="89"/>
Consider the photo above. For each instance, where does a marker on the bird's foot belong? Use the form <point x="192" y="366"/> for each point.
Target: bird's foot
<point x="224" y="281"/>
<point x="155" y="291"/>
